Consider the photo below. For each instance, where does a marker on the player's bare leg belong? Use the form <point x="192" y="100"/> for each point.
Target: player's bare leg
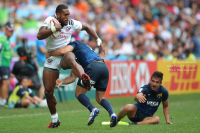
<point x="106" y="104"/>
<point x="150" y="120"/>
<point x="5" y="85"/>
<point x="129" y="110"/>
<point x="49" y="80"/>
<point x="69" y="62"/>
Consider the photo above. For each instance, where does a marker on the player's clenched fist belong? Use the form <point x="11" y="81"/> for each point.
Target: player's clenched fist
<point x="58" y="83"/>
<point x="57" y="26"/>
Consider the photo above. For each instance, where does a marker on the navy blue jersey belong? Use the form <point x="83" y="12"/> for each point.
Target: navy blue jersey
<point x="153" y="99"/>
<point x="84" y="53"/>
<point x="21" y="92"/>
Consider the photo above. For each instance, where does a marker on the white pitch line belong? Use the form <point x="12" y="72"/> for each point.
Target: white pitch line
<point x="38" y="114"/>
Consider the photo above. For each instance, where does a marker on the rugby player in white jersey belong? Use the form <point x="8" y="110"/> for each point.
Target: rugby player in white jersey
<point x="53" y="64"/>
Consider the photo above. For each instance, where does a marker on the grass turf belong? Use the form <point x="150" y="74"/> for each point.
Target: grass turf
<point x="184" y="113"/>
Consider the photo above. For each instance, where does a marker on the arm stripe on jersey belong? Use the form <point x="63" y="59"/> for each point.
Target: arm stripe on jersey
<point x="70" y="22"/>
<point x="53" y="36"/>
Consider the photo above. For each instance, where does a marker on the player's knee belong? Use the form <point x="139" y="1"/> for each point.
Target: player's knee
<point x="156" y="120"/>
<point x="127" y="108"/>
<point x="49" y="94"/>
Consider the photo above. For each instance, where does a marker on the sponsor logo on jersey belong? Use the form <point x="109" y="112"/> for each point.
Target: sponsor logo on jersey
<point x="49" y="61"/>
<point x="159" y="95"/>
<point x="152" y="103"/>
<point x="68" y="28"/>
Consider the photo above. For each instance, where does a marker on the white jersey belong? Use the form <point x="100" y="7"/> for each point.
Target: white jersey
<point x="64" y="37"/>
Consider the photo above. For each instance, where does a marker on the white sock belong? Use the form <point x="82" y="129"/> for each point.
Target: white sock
<point x="54" y="118"/>
<point x="3" y="101"/>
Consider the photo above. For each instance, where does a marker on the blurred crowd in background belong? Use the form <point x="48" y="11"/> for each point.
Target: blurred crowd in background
<point x="130" y="29"/>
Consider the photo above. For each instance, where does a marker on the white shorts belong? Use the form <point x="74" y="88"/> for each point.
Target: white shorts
<point x="53" y="62"/>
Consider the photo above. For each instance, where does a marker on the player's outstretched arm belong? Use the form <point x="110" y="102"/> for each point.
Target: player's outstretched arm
<point x="67" y="80"/>
<point x="166" y="111"/>
<point x="89" y="30"/>
<point x="140" y="97"/>
<point x="92" y="33"/>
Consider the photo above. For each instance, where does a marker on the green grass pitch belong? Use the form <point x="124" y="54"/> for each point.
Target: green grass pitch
<point x="184" y="112"/>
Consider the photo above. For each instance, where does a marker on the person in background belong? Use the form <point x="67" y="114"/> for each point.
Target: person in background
<point x="22" y="96"/>
<point x="41" y="51"/>
<point x="27" y="66"/>
<point x="5" y="58"/>
<point x="189" y="56"/>
<point x="159" y="56"/>
<point x="173" y="56"/>
<point x="194" y="43"/>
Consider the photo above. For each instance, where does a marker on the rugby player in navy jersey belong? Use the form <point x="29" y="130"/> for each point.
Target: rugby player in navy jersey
<point x="96" y="69"/>
<point x="148" y="100"/>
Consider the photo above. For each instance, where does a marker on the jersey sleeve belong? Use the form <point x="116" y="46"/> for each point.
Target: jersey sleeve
<point x="165" y="94"/>
<point x="21" y="93"/>
<point x="76" y="24"/>
<point x="30" y="92"/>
<point x="142" y="90"/>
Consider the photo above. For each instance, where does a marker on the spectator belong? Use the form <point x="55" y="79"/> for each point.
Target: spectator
<point x="194" y="43"/>
<point x="41" y="51"/>
<point x="159" y="56"/>
<point x="181" y="55"/>
<point x="22" y="96"/>
<point x="4" y="14"/>
<point x="26" y="66"/>
<point x="173" y="56"/>
<point x="5" y="57"/>
<point x="30" y="22"/>
<point x="189" y="56"/>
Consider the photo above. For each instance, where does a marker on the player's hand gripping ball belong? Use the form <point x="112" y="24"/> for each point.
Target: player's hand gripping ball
<point x="51" y="26"/>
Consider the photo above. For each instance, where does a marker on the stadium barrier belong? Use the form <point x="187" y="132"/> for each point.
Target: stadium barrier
<point x="126" y="77"/>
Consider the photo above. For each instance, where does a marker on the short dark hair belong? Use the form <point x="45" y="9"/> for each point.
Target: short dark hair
<point x="157" y="74"/>
<point x="60" y="7"/>
<point x="21" y="78"/>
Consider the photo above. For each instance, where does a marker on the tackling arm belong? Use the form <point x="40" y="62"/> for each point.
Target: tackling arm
<point x="67" y="80"/>
<point x="166" y="111"/>
<point x="60" y="51"/>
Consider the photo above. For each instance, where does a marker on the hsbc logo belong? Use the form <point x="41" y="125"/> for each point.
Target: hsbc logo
<point x="142" y="75"/>
<point x="127" y="77"/>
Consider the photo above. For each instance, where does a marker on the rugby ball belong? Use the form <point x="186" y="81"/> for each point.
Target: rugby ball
<point x="51" y="23"/>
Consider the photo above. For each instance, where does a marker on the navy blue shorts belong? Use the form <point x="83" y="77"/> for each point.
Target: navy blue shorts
<point x="4" y="73"/>
<point x="139" y="116"/>
<point x="98" y="72"/>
